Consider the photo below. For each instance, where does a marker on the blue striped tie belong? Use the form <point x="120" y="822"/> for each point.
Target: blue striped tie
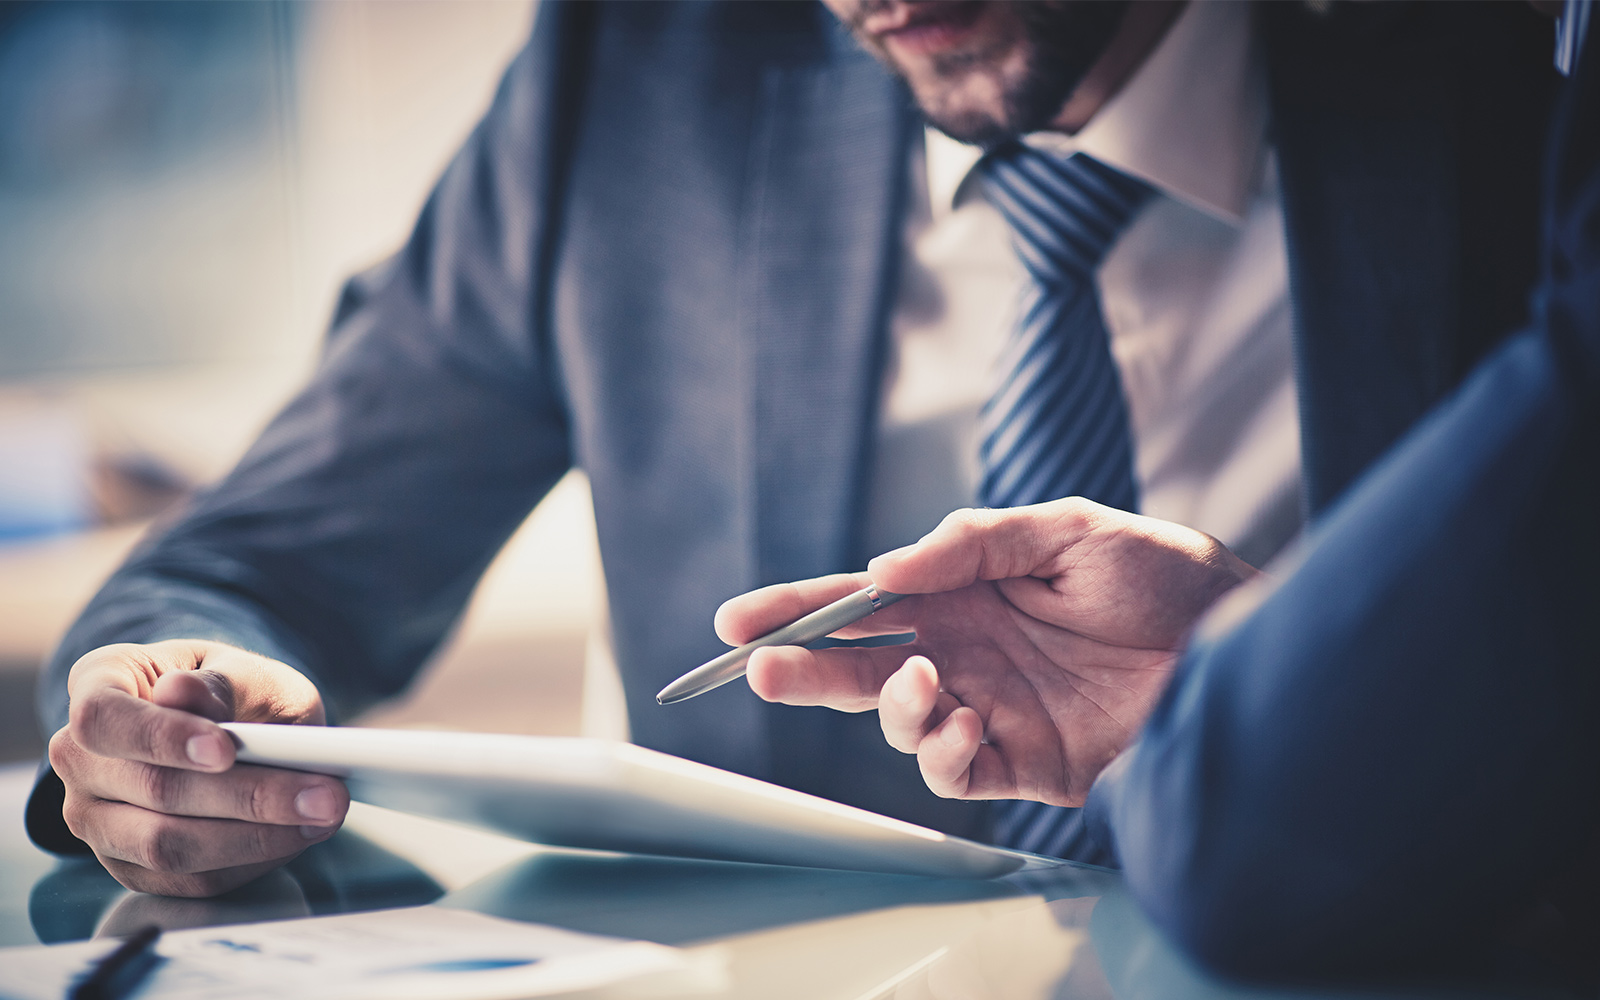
<point x="1057" y="426"/>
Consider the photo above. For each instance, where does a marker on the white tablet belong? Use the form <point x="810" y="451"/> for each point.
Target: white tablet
<point x="570" y="792"/>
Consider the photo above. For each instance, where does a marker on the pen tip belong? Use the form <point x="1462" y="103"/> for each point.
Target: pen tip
<point x="672" y="694"/>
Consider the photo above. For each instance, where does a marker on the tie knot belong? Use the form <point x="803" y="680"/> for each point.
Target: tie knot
<point x="1065" y="214"/>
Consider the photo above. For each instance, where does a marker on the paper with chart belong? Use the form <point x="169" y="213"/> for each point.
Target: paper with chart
<point x="415" y="953"/>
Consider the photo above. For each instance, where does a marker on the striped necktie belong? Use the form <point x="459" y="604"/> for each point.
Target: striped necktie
<point x="1057" y="425"/>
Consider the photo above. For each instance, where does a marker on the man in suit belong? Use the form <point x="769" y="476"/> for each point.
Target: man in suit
<point x="1383" y="760"/>
<point x="690" y="250"/>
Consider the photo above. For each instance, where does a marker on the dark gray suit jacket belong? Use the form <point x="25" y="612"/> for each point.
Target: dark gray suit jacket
<point x="1392" y="766"/>
<point x="667" y="255"/>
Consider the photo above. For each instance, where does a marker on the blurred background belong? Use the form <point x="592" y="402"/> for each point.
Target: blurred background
<point x="183" y="188"/>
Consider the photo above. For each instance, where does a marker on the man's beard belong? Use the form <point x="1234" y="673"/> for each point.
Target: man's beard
<point x="1062" y="41"/>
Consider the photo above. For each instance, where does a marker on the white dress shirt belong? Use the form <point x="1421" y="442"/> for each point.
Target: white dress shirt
<point x="1194" y="294"/>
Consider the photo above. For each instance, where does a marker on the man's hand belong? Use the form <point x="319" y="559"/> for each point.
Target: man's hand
<point x="151" y="782"/>
<point x="1044" y="636"/>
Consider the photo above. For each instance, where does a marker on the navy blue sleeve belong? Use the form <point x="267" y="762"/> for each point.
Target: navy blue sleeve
<point x="348" y="539"/>
<point x="1386" y="762"/>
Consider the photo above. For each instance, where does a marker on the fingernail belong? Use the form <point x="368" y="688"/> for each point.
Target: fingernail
<point x="316" y="804"/>
<point x="206" y="750"/>
<point x="951" y="735"/>
<point x="316" y="832"/>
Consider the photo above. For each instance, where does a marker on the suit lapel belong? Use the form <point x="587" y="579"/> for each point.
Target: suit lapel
<point x="820" y="249"/>
<point x="821" y="258"/>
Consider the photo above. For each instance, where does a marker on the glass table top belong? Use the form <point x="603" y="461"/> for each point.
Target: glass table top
<point x="773" y="932"/>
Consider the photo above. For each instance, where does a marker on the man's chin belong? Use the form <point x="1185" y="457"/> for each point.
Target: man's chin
<point x="974" y="97"/>
<point x="971" y="127"/>
<point x="983" y="73"/>
<point x="973" y="113"/>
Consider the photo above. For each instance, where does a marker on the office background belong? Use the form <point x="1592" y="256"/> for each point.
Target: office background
<point x="183" y="188"/>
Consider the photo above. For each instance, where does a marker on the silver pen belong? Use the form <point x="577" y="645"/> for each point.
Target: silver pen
<point x="821" y="622"/>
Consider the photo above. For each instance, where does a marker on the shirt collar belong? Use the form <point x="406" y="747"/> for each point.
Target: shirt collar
<point x="1191" y="120"/>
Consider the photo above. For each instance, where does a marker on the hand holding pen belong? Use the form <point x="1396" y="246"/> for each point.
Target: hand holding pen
<point x="1044" y="635"/>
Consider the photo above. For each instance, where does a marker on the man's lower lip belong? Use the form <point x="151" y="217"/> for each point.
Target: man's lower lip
<point x="932" y="34"/>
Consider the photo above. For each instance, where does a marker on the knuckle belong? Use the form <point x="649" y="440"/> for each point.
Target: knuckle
<point x="160" y="883"/>
<point x="95" y="657"/>
<point x="163" y="847"/>
<point x="63" y="752"/>
<point x="262" y="843"/>
<point x="86" y="716"/>
<point x="147" y="735"/>
<point x="161" y="787"/>
<point x="938" y="785"/>
<point x="132" y="877"/>
<point x="75" y="813"/>
<point x="863" y="678"/>
<point x="966" y="521"/>
<point x="905" y="738"/>
<point x="869" y="683"/>
<point x="1080" y="512"/>
<point x="1076" y="505"/>
<point x="257" y="801"/>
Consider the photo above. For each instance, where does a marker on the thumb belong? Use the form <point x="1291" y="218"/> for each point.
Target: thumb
<point x="232" y="685"/>
<point x="199" y="692"/>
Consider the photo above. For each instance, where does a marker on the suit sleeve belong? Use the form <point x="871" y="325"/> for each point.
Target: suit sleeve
<point x="1392" y="757"/>
<point x="348" y="539"/>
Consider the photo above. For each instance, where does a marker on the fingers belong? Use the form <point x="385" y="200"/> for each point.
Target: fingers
<point x="110" y="722"/>
<point x="919" y="718"/>
<point x="947" y="753"/>
<point x="175" y="831"/>
<point x="957" y="764"/>
<point x="205" y="693"/>
<point x="180" y="856"/>
<point x="245" y="792"/>
<point x="183" y="845"/>
<point x="908" y="704"/>
<point x="150" y="779"/>
<point x="750" y="616"/>
<point x="254" y="688"/>
<point x="844" y="678"/>
<point x="111" y="715"/>
<point x="158" y="703"/>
